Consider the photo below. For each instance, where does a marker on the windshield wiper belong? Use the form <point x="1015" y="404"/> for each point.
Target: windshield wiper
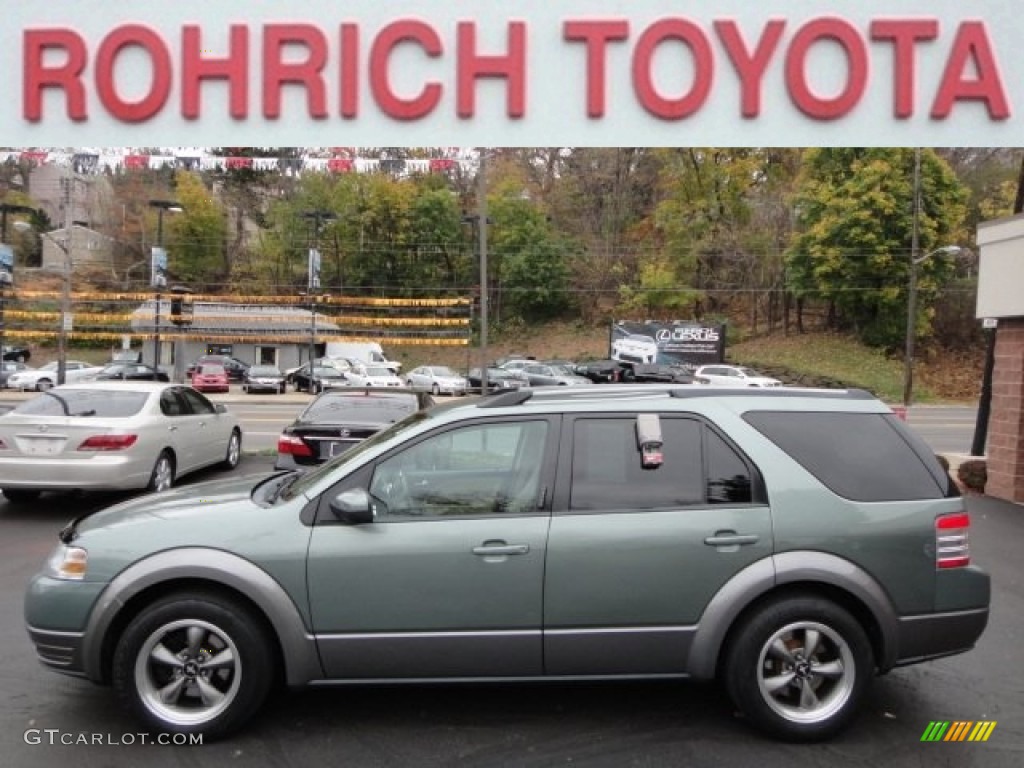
<point x="285" y="484"/>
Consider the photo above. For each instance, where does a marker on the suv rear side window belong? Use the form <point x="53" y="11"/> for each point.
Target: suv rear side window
<point x="699" y="467"/>
<point x="859" y="456"/>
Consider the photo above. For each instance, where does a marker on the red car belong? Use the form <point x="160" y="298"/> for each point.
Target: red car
<point x="210" y="378"/>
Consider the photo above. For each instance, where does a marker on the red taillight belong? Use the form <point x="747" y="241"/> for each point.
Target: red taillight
<point x="294" y="445"/>
<point x="952" y="547"/>
<point x="108" y="442"/>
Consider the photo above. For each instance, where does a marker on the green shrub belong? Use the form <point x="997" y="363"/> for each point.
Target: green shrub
<point x="973" y="474"/>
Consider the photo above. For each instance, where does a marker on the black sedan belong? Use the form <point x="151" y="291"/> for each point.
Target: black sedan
<point x="17" y="354"/>
<point x="324" y="377"/>
<point x="604" y="371"/>
<point x="130" y="372"/>
<point x="263" y="378"/>
<point x="340" y="418"/>
<point x="498" y="380"/>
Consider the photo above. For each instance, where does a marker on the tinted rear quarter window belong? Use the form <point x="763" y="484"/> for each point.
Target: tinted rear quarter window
<point x="859" y="456"/>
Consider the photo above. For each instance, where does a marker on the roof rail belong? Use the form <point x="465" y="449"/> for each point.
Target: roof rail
<point x="834" y="394"/>
<point x="657" y="389"/>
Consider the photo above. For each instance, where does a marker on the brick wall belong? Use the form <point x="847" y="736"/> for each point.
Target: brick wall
<point x="1005" y="450"/>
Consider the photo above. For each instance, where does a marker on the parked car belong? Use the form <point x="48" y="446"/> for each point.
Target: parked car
<point x="17" y="354"/>
<point x="264" y="378"/>
<point x="439" y="379"/>
<point x="498" y="379"/>
<point x="10" y="368"/>
<point x="234" y="367"/>
<point x="210" y="377"/>
<point x="110" y="435"/>
<point x="372" y="376"/>
<point x="733" y="376"/>
<point x="655" y="372"/>
<point x="44" y="377"/>
<point x="604" y="371"/>
<point x="635" y="348"/>
<point x="639" y="531"/>
<point x="324" y="377"/>
<point x="338" y="419"/>
<point x="544" y="375"/>
<point x="130" y="372"/>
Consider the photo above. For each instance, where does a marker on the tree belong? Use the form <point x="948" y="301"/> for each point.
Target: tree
<point x="855" y="218"/>
<point x="196" y="236"/>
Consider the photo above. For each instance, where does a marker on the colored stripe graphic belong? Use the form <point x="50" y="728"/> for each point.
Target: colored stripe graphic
<point x="958" y="730"/>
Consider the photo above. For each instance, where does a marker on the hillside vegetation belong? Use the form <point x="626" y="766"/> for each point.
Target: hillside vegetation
<point x="809" y="359"/>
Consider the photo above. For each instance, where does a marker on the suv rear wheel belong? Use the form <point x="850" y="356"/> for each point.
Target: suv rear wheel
<point x="798" y="667"/>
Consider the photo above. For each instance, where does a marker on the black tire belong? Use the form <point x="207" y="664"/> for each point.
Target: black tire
<point x="43" y="384"/>
<point x="180" y="637"/>
<point x="234" y="450"/>
<point x="781" y="687"/>
<point x="436" y="391"/>
<point x="162" y="476"/>
<point x="21" y="495"/>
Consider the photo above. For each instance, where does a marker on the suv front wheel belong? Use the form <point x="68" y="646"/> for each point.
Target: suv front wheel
<point x="798" y="667"/>
<point x="193" y="664"/>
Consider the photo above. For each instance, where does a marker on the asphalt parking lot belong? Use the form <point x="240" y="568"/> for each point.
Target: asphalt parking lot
<point x="45" y="717"/>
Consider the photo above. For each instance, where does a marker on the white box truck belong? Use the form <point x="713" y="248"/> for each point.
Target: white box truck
<point x="363" y="351"/>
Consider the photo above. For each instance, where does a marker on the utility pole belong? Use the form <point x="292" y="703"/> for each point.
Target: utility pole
<point x="65" y="293"/>
<point x="482" y="239"/>
<point x="908" y="357"/>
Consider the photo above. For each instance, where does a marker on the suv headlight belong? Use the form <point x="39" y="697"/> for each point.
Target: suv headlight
<point x="68" y="563"/>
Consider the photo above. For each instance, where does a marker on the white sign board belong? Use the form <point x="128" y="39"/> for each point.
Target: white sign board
<point x="494" y="73"/>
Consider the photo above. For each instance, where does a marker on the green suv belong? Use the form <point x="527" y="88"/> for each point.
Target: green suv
<point x="792" y="543"/>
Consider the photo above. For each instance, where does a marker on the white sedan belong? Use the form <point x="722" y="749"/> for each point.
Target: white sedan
<point x="372" y="376"/>
<point x="438" y="379"/>
<point x="43" y="378"/>
<point x="733" y="376"/>
<point x="635" y="348"/>
<point x="112" y="435"/>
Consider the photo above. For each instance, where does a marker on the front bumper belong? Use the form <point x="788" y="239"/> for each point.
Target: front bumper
<point x="54" y="609"/>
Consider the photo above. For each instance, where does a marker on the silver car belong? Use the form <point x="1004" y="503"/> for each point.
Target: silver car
<point x="438" y="379"/>
<point x="112" y="435"/>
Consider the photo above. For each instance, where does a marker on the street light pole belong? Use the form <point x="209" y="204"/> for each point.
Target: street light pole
<point x="159" y="276"/>
<point x="317" y="217"/>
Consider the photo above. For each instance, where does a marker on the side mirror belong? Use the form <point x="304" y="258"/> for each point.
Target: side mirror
<point x="220" y="408"/>
<point x="353" y="507"/>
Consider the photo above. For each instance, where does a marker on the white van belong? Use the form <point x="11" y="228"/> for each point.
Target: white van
<point x="363" y="351"/>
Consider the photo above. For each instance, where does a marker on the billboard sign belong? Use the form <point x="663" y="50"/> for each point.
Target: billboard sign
<point x="672" y="343"/>
<point x="158" y="268"/>
<point x="314" y="270"/>
<point x="6" y="265"/>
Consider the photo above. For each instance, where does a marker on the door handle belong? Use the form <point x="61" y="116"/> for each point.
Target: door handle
<point x="731" y="539"/>
<point x="487" y="550"/>
<point x="172" y="429"/>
